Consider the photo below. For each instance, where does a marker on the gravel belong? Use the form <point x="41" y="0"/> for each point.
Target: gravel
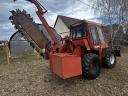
<point x="33" y="78"/>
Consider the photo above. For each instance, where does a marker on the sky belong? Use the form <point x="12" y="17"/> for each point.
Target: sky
<point x="71" y="8"/>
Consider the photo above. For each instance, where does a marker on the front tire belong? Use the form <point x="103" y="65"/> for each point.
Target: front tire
<point x="109" y="60"/>
<point x="91" y="66"/>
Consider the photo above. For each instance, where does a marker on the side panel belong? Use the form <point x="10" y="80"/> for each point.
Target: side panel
<point x="65" y="65"/>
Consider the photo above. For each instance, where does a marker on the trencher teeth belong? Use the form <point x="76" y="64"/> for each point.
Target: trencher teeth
<point x="13" y="12"/>
<point x="16" y="27"/>
<point x="15" y="20"/>
<point x="28" y="15"/>
<point x="24" y="11"/>
<point x="18" y="11"/>
<point x="13" y="23"/>
<point x="11" y="17"/>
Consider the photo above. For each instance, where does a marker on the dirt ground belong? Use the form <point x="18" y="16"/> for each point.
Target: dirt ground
<point x="33" y="78"/>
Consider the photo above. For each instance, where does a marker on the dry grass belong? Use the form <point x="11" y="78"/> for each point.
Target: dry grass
<point x="2" y="55"/>
<point x="32" y="77"/>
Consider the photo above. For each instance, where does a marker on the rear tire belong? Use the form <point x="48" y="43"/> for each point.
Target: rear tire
<point x="109" y="60"/>
<point x="91" y="66"/>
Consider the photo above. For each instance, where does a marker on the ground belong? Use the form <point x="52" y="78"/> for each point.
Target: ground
<point x="32" y="77"/>
<point x="2" y="55"/>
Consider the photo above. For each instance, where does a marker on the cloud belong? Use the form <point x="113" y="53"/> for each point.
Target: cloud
<point x="71" y="8"/>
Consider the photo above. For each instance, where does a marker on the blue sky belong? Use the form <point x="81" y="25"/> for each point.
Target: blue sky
<point x="71" y="8"/>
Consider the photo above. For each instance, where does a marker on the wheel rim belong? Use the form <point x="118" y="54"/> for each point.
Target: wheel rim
<point x="112" y="59"/>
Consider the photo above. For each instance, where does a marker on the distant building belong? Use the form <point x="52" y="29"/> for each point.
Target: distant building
<point x="63" y="23"/>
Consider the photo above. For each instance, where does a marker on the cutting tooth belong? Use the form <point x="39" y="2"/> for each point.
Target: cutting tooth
<point x="24" y="11"/>
<point x="13" y="23"/>
<point x="28" y="15"/>
<point x="16" y="27"/>
<point x="18" y="11"/>
<point x="11" y="17"/>
<point x="13" y="12"/>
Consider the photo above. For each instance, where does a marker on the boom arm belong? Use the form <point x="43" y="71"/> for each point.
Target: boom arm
<point x="40" y="12"/>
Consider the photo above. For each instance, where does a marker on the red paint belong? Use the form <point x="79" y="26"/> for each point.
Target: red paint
<point x="65" y="65"/>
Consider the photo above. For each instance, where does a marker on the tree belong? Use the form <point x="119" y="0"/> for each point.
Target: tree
<point x="116" y="12"/>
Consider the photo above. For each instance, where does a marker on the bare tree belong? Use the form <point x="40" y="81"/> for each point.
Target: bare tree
<point x="116" y="12"/>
